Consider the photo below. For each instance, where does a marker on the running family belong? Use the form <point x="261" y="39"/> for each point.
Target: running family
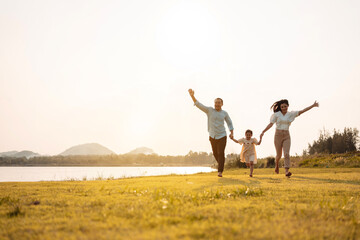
<point x="217" y="134"/>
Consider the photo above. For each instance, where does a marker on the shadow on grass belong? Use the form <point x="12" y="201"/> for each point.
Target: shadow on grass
<point x="226" y="181"/>
<point x="233" y="181"/>
<point x="270" y="180"/>
<point x="351" y="182"/>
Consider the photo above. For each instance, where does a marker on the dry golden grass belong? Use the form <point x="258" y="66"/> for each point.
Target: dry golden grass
<point x="313" y="204"/>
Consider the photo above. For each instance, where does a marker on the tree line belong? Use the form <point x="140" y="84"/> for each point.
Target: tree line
<point x="190" y="159"/>
<point x="338" y="142"/>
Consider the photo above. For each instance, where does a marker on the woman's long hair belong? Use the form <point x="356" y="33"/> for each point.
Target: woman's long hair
<point x="276" y="106"/>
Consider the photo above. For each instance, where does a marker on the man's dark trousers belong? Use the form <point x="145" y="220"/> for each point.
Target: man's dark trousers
<point x="218" y="148"/>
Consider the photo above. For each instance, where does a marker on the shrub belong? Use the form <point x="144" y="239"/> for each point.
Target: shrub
<point x="270" y="162"/>
<point x="233" y="161"/>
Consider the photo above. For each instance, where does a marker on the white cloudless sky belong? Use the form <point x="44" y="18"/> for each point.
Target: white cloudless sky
<point x="117" y="72"/>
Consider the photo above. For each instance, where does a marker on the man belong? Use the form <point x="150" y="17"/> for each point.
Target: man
<point x="216" y="117"/>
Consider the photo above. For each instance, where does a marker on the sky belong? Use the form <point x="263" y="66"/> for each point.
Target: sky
<point x="118" y="72"/>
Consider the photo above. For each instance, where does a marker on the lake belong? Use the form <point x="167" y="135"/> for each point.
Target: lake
<point x="33" y="174"/>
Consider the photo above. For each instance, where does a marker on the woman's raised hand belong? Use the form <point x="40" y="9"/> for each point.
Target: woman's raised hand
<point x="316" y="104"/>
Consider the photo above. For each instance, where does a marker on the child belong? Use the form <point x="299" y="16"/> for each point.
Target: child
<point x="248" y="152"/>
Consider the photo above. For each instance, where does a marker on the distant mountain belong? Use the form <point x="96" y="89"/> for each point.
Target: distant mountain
<point x="16" y="154"/>
<point x="27" y="154"/>
<point x="87" y="149"/>
<point x="142" y="150"/>
<point x="8" y="154"/>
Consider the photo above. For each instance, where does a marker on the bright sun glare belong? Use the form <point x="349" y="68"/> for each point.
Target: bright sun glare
<point x="188" y="36"/>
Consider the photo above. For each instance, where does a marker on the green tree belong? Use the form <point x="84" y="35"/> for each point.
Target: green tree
<point x="339" y="142"/>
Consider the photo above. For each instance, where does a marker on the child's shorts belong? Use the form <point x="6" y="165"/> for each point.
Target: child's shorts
<point x="250" y="158"/>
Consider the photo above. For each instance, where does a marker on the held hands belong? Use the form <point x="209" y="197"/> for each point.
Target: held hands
<point x="231" y="136"/>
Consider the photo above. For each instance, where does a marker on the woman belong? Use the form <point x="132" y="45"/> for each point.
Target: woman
<point x="282" y="140"/>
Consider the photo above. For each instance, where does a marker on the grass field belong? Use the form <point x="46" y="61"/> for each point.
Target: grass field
<point x="312" y="204"/>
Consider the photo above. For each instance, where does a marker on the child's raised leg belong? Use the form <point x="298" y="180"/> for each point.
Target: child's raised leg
<point x="251" y="168"/>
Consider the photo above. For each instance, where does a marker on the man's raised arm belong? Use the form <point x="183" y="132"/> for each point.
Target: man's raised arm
<point x="197" y="103"/>
<point x="192" y="95"/>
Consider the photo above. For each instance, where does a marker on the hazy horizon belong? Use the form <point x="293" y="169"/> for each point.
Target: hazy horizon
<point x="117" y="72"/>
